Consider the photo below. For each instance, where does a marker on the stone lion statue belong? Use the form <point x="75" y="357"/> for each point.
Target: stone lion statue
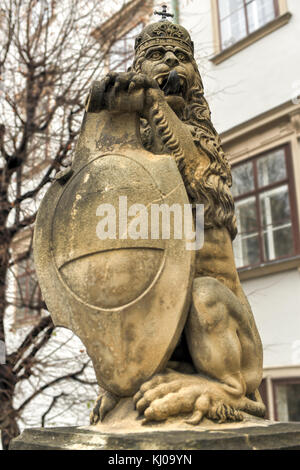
<point x="216" y="368"/>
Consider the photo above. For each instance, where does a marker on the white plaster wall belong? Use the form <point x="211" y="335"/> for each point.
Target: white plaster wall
<point x="275" y="301"/>
<point x="252" y="81"/>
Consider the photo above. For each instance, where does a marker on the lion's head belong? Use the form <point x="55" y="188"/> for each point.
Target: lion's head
<point x="160" y="49"/>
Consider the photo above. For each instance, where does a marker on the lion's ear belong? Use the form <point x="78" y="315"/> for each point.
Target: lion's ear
<point x="129" y="69"/>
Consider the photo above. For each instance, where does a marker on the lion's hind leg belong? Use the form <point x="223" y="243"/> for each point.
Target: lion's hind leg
<point x="220" y="340"/>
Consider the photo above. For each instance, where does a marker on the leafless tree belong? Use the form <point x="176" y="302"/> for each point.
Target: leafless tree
<point x="48" y="59"/>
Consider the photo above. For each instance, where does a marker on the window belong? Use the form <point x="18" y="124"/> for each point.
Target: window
<point x="28" y="294"/>
<point x="265" y="210"/>
<point x="282" y="398"/>
<point x="239" y="18"/>
<point x="122" y="52"/>
<point x="287" y="399"/>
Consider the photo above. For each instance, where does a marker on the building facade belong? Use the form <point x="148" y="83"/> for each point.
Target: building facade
<point x="248" y="54"/>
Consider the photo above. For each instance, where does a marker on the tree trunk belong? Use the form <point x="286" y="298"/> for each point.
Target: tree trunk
<point x="8" y="424"/>
<point x="8" y="421"/>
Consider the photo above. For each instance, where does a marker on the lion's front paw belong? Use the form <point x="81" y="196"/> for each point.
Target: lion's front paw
<point x="103" y="404"/>
<point x="120" y="92"/>
<point x="173" y="394"/>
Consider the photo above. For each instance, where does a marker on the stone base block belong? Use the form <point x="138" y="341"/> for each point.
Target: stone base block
<point x="260" y="435"/>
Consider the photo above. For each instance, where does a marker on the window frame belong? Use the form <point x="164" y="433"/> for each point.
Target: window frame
<point x="290" y="182"/>
<point x="221" y="48"/>
<point x="282" y="381"/>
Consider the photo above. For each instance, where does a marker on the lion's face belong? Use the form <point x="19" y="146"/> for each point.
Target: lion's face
<point x="188" y="101"/>
<point x="159" y="61"/>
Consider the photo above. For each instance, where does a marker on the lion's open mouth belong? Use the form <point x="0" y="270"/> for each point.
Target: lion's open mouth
<point x="172" y="84"/>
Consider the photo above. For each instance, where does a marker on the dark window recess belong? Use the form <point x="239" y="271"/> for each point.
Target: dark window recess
<point x="287" y="399"/>
<point x="27" y="291"/>
<point x="239" y="18"/>
<point x="265" y="208"/>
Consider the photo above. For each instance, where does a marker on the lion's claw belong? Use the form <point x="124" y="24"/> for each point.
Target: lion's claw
<point x="104" y="403"/>
<point x="173" y="394"/>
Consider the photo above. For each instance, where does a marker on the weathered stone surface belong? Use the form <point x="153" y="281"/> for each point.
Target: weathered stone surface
<point x="266" y="436"/>
<point x="136" y="303"/>
<point x="127" y="299"/>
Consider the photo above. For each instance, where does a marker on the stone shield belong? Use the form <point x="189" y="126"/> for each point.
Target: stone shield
<point x="126" y="297"/>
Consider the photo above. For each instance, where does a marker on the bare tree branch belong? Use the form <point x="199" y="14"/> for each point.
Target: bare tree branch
<point x="52" y="404"/>
<point x="50" y="384"/>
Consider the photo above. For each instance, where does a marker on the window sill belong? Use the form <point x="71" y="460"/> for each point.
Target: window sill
<point x="251" y="38"/>
<point x="269" y="268"/>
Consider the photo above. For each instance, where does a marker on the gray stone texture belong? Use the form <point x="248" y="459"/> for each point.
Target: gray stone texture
<point x="270" y="436"/>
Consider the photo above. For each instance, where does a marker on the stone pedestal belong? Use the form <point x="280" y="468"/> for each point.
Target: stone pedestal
<point x="259" y="435"/>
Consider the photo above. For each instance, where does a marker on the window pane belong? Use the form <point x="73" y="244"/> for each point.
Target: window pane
<point x="21" y="313"/>
<point x="246" y="244"/>
<point x="227" y="7"/>
<point x="281" y="245"/>
<point x="246" y="250"/>
<point x="122" y="52"/>
<point x="275" y="206"/>
<point x="233" y="28"/>
<point x="276" y="222"/>
<point x="246" y="215"/>
<point x="23" y="266"/>
<point x="27" y="291"/>
<point x="242" y="179"/>
<point x="259" y="12"/>
<point x="271" y="168"/>
<point x="288" y="402"/>
<point x="21" y="289"/>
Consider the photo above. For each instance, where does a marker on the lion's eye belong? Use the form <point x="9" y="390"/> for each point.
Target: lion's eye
<point x="182" y="57"/>
<point x="156" y="55"/>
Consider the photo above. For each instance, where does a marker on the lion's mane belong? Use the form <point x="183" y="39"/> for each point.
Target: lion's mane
<point x="210" y="187"/>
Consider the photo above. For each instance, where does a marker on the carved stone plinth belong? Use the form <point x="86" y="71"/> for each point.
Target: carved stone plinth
<point x="255" y="435"/>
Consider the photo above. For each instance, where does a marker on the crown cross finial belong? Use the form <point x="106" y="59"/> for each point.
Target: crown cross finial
<point x="164" y="14"/>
